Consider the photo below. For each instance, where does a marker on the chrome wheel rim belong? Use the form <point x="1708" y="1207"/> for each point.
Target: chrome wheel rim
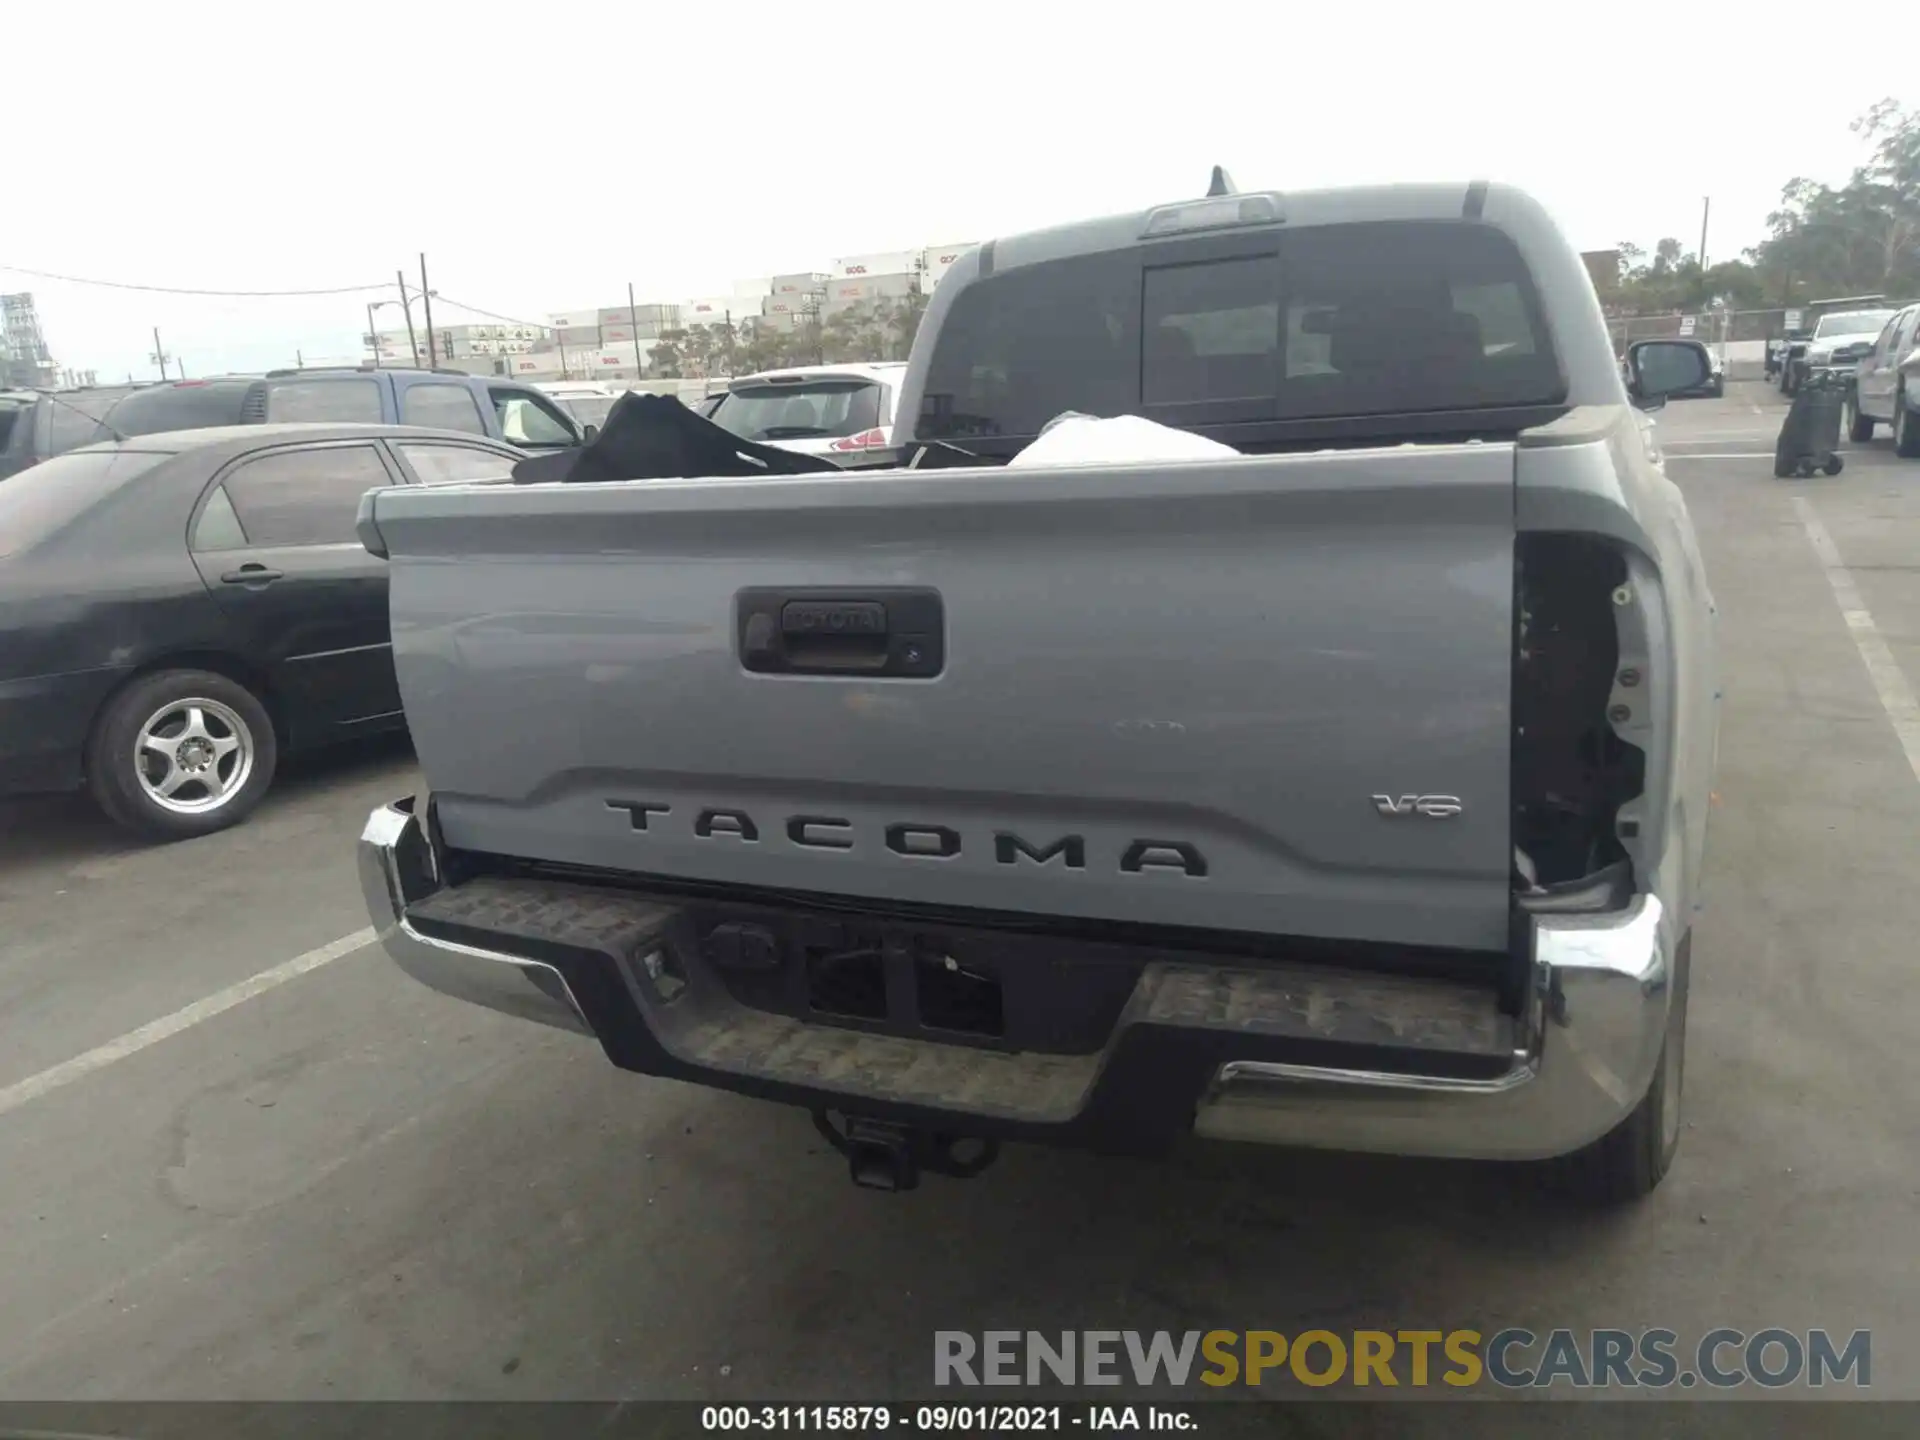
<point x="193" y="756"/>
<point x="1900" y="420"/>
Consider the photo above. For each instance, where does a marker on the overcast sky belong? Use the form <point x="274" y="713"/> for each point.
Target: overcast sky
<point x="545" y="155"/>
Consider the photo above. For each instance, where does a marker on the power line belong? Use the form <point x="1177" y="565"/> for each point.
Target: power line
<point x="459" y="305"/>
<point x="179" y="290"/>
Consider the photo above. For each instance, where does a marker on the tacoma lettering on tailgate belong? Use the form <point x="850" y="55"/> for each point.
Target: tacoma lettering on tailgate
<point x="917" y="840"/>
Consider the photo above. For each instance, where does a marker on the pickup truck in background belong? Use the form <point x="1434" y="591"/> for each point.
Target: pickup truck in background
<point x="498" y="408"/>
<point x="1348" y="792"/>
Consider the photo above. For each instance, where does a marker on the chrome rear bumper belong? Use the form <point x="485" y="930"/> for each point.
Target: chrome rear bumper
<point x="1593" y="1037"/>
<point x="397" y="866"/>
<point x="1600" y="1003"/>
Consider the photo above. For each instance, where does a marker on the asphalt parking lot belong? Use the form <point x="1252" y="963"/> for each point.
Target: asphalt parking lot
<point x="343" y="1186"/>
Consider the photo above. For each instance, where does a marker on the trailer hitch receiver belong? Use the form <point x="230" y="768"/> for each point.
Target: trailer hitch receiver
<point x="885" y="1155"/>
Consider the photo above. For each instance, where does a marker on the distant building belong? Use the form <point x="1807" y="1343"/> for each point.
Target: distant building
<point x="24" y="358"/>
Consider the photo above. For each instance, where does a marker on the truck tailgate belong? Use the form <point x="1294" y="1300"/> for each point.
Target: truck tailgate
<point x="1270" y="694"/>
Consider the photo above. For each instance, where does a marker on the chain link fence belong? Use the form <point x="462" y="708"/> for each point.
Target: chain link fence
<point x="1739" y="337"/>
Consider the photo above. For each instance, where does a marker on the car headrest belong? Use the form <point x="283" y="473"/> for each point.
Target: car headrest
<point x="1386" y="336"/>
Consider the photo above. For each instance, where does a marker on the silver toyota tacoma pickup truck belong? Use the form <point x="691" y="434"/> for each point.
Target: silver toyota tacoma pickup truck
<point x="1348" y="792"/>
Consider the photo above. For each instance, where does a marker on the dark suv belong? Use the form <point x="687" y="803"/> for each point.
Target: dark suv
<point x="494" y="406"/>
<point x="37" y="425"/>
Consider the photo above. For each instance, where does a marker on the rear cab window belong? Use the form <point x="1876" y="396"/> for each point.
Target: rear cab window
<point x="1322" y="323"/>
<point x="819" y="407"/>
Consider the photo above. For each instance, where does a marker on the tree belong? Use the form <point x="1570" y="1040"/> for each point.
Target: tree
<point x="874" y="330"/>
<point x="667" y="357"/>
<point x="763" y="345"/>
<point x="1860" y="237"/>
<point x="904" y="323"/>
<point x="698" y="351"/>
<point x="841" y="338"/>
<point x="1857" y="238"/>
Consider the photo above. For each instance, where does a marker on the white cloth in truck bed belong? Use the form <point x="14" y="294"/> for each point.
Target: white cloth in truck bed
<point x="1075" y="439"/>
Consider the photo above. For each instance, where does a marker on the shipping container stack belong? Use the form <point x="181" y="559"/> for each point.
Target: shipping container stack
<point x="791" y="300"/>
<point x="860" y="280"/>
<point x="459" y="346"/>
<point x="936" y="260"/>
<point x="598" y="344"/>
<point x="710" y="310"/>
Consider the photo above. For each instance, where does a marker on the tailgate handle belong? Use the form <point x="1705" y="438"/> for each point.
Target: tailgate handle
<point x="892" y="632"/>
<point x="829" y="635"/>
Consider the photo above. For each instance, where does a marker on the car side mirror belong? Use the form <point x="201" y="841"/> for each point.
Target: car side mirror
<point x="587" y="432"/>
<point x="1659" y="368"/>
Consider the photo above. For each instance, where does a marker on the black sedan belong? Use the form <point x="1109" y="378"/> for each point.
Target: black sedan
<point x="177" y="611"/>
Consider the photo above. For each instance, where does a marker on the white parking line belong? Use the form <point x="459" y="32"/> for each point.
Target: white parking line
<point x="67" y="1071"/>
<point x="1889" y="681"/>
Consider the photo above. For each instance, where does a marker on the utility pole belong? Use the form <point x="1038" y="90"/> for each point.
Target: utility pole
<point x="159" y="356"/>
<point x="426" y="295"/>
<point x="406" y="308"/>
<point x="373" y="337"/>
<point x="1706" y="293"/>
<point x="633" y="319"/>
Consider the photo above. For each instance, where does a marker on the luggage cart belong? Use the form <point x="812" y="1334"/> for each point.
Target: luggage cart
<point x="1810" y="435"/>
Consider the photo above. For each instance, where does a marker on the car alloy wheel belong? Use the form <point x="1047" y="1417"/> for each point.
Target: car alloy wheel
<point x="192" y="756"/>
<point x="1906" y="434"/>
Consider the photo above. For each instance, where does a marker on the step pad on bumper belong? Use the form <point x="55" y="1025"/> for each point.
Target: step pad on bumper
<point x="545" y="915"/>
<point x="1042" y="1089"/>
<point x="1237" y="1007"/>
<point x="1348" y="1006"/>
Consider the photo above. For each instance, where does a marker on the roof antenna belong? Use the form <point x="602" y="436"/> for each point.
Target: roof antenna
<point x="1221" y="184"/>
